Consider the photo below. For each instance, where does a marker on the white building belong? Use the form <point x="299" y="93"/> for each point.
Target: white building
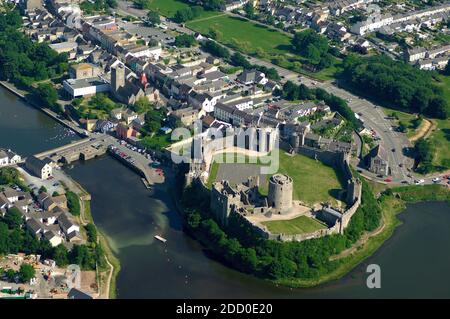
<point x="8" y="157"/>
<point x="85" y="87"/>
<point x="38" y="167"/>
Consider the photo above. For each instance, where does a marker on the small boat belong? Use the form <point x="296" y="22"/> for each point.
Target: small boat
<point x="160" y="238"/>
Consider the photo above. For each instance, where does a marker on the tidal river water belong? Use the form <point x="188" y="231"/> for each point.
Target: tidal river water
<point x="415" y="261"/>
<point x="26" y="130"/>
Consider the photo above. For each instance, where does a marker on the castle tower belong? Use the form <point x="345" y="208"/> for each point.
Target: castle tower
<point x="117" y="77"/>
<point x="280" y="192"/>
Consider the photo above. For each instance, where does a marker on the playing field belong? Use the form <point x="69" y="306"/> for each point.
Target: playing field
<point x="299" y="225"/>
<point x="243" y="34"/>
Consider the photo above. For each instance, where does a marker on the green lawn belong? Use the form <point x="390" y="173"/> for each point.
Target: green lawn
<point x="243" y="34"/>
<point x="441" y="141"/>
<point x="441" y="137"/>
<point x="157" y="142"/>
<point x="167" y="8"/>
<point x="407" y="118"/>
<point x="314" y="182"/>
<point x="212" y="174"/>
<point x="299" y="225"/>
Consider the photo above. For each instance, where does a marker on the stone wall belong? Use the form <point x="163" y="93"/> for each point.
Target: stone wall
<point x="339" y="161"/>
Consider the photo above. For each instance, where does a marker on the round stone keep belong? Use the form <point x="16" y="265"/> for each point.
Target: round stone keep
<point x="280" y="192"/>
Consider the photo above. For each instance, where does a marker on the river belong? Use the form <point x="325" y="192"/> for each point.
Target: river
<point x="414" y="261"/>
<point x="26" y="130"/>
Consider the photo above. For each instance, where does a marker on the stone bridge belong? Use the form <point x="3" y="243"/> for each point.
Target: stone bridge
<point x="84" y="149"/>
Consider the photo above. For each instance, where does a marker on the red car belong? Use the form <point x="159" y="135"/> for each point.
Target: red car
<point x="388" y="180"/>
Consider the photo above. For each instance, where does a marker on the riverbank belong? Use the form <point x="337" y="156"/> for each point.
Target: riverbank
<point x="391" y="205"/>
<point x="106" y="278"/>
<point x="108" y="281"/>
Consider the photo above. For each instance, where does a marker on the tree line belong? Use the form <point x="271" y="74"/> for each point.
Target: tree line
<point x="396" y="84"/>
<point x="240" y="247"/>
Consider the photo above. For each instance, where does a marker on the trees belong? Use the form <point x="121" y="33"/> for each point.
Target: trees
<point x="216" y="49"/>
<point x="26" y="272"/>
<point x="4" y="241"/>
<point x="83" y="256"/>
<point x="152" y="18"/>
<point x="9" y="175"/>
<point x="424" y="153"/>
<point x="249" y="10"/>
<point x="46" y="94"/>
<point x="446" y="71"/>
<point x="22" y="60"/>
<point x="238" y="59"/>
<point x="61" y="255"/>
<point x="213" y="5"/>
<point x="397" y="84"/>
<point x="91" y="232"/>
<point x="142" y="4"/>
<point x="312" y="46"/>
<point x="187" y="14"/>
<point x="141" y="106"/>
<point x="13" y="218"/>
<point x="73" y="203"/>
<point x="185" y="40"/>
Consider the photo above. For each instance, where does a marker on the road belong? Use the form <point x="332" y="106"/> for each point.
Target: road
<point x="374" y="118"/>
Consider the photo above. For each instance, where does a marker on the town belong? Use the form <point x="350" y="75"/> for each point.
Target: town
<point x="127" y="76"/>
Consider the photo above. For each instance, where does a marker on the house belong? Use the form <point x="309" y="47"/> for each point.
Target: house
<point x="38" y="167"/>
<point x="53" y="238"/>
<point x="83" y="71"/>
<point x="187" y="115"/>
<point x="4" y="158"/>
<point x="60" y="201"/>
<point x="125" y="131"/>
<point x="377" y="161"/>
<point x="78" y="294"/>
<point x="200" y="101"/>
<point x="252" y="77"/>
<point x="34" y="226"/>
<point x="129" y="116"/>
<point x="67" y="225"/>
<point x="124" y="114"/>
<point x="8" y="157"/>
<point x="49" y="204"/>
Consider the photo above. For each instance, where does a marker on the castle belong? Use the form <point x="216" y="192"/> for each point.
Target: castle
<point x="245" y="201"/>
